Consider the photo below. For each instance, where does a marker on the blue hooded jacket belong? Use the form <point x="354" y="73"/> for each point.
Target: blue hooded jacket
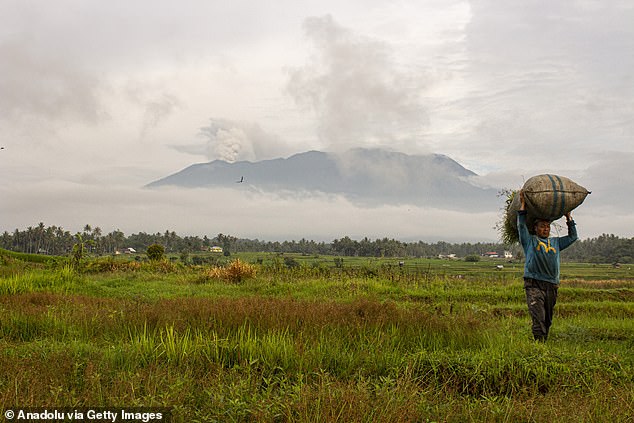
<point x="542" y="254"/>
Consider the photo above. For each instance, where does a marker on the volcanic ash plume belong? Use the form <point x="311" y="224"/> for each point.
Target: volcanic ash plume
<point x="228" y="142"/>
<point x="234" y="141"/>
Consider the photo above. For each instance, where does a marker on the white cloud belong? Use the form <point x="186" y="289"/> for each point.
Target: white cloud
<point x="45" y="85"/>
<point x="548" y="84"/>
<point x="611" y="180"/>
<point x="358" y="92"/>
<point x="112" y="95"/>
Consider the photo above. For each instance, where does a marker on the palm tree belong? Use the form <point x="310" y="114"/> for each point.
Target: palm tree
<point x="116" y="240"/>
<point x="39" y="236"/>
<point x="96" y="235"/>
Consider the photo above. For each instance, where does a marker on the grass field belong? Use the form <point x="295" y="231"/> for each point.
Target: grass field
<point x="314" y="339"/>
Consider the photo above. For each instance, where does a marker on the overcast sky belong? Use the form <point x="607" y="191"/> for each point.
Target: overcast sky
<point x="100" y="98"/>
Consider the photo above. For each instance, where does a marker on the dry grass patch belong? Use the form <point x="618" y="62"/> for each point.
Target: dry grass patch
<point x="235" y="272"/>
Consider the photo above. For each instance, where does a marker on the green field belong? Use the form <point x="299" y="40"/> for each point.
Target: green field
<point x="311" y="338"/>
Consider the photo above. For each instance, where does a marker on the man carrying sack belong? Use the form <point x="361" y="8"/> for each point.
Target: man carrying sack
<point x="541" y="268"/>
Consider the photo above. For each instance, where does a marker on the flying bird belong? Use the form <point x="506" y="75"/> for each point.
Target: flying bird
<point x="241" y="180"/>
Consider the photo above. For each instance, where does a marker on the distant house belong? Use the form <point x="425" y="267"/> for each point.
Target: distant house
<point x="508" y="255"/>
<point x="128" y="250"/>
<point x="216" y="249"/>
<point x="491" y="254"/>
<point x="447" y="256"/>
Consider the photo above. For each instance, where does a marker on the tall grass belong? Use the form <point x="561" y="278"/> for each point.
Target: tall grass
<point x="62" y="279"/>
<point x="33" y="258"/>
<point x="294" y="347"/>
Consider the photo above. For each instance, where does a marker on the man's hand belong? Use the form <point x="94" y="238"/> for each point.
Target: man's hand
<point x="568" y="216"/>
<point x="522" y="201"/>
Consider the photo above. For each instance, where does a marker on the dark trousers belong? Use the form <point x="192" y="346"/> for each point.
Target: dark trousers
<point x="541" y="297"/>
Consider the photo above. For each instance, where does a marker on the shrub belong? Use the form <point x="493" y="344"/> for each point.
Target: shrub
<point x="109" y="264"/>
<point x="202" y="260"/>
<point x="290" y="262"/>
<point x="472" y="258"/>
<point x="160" y="266"/>
<point x="155" y="252"/>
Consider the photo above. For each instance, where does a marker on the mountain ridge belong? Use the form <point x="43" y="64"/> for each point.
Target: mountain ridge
<point x="370" y="177"/>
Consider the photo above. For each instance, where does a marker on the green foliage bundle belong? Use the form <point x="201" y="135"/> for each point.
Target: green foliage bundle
<point x="506" y="226"/>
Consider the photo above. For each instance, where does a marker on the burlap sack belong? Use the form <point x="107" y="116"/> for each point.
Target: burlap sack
<point x="547" y="197"/>
<point x="551" y="196"/>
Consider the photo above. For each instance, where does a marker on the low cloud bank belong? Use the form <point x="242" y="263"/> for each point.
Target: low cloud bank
<point x="240" y="213"/>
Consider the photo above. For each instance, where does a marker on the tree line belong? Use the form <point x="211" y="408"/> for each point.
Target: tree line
<point x="55" y="240"/>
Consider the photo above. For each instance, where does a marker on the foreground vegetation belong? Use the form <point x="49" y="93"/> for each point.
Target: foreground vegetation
<point x="299" y="338"/>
